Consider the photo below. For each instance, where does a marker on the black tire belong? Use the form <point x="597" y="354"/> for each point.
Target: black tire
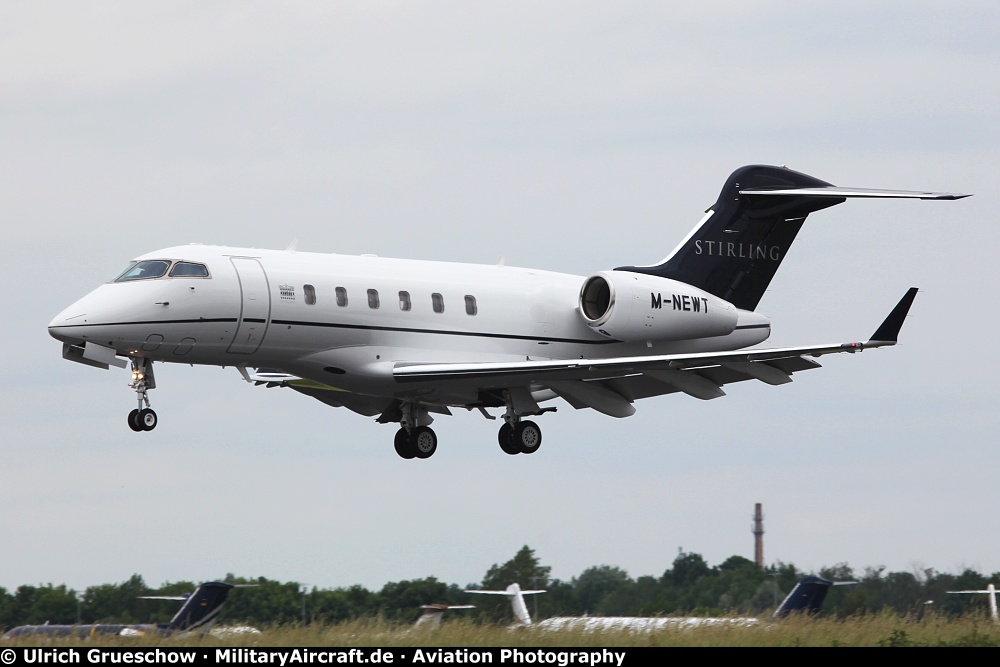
<point x="146" y="419"/>
<point x="527" y="437"/>
<point x="506" y="439"/>
<point x="423" y="442"/>
<point x="402" y="444"/>
<point x="133" y="420"/>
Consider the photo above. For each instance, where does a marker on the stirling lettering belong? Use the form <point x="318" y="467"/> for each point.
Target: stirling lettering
<point x="691" y="304"/>
<point x="738" y="250"/>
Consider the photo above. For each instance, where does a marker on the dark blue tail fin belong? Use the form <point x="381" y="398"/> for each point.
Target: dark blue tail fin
<point x="740" y="243"/>
<point x="807" y="596"/>
<point x="737" y="247"/>
<point x="201" y="609"/>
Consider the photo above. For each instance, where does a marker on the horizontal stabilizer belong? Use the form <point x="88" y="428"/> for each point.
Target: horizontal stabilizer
<point x="833" y="191"/>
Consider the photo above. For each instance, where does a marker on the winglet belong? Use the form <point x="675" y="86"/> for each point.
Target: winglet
<point x="888" y="331"/>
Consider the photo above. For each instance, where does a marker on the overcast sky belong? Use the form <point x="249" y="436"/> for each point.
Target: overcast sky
<point x="570" y="136"/>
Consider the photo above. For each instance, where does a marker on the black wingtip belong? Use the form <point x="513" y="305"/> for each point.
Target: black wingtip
<point x="888" y="331"/>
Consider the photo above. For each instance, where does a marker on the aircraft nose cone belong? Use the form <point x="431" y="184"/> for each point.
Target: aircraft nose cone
<point x="62" y="325"/>
<point x="83" y="318"/>
<point x="69" y="325"/>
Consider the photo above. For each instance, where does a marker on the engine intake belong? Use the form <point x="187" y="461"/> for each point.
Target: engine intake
<point x="638" y="307"/>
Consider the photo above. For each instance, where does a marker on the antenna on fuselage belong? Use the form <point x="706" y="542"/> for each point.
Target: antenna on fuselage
<point x="293" y="246"/>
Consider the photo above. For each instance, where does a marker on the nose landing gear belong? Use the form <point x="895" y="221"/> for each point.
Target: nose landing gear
<point x="142" y="418"/>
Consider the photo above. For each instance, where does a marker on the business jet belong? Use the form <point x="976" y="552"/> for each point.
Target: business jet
<point x="404" y="340"/>
<point x="198" y="613"/>
<point x="805" y="598"/>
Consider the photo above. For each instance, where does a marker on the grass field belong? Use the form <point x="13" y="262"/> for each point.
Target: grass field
<point x="880" y="630"/>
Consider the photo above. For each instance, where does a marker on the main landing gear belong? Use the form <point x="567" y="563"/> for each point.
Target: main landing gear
<point x="517" y="436"/>
<point x="142" y="418"/>
<point x="524" y="437"/>
<point x="415" y="439"/>
<point x="420" y="442"/>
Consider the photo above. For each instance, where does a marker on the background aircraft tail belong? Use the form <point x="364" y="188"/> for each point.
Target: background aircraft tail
<point x="201" y="609"/>
<point x="517" y="604"/>
<point x="430" y="618"/>
<point x="991" y="591"/>
<point x="738" y="246"/>
<point x="808" y="595"/>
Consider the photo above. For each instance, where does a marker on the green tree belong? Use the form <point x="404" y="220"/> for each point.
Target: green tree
<point x="8" y="617"/>
<point x="116" y="603"/>
<point x="342" y="604"/>
<point x="523" y="569"/>
<point x="596" y="587"/>
<point x="737" y="581"/>
<point x="54" y="604"/>
<point x="687" y="569"/>
<point x="268" y="601"/>
<point x="403" y="599"/>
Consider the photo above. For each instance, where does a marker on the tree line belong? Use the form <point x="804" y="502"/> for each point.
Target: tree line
<point x="689" y="587"/>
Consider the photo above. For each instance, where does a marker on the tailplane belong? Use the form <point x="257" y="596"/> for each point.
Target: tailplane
<point x="738" y="246"/>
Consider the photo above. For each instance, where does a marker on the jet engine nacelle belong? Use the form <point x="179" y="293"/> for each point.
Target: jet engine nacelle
<point x="638" y="307"/>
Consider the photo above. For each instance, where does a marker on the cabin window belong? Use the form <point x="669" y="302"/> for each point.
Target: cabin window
<point x="470" y="305"/>
<point x="404" y="300"/>
<point x="189" y="270"/>
<point x="438" y="301"/>
<point x="150" y="268"/>
<point x="310" y="293"/>
<point x="373" y="298"/>
<point x="341" y="296"/>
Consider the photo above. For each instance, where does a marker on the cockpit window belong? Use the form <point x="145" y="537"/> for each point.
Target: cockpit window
<point x="123" y="271"/>
<point x="189" y="270"/>
<point x="150" y="268"/>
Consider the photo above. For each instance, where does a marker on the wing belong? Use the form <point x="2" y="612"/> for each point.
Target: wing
<point x="368" y="406"/>
<point x="611" y="385"/>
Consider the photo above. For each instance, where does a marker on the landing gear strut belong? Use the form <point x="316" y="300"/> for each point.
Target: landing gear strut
<point x="142" y="418"/>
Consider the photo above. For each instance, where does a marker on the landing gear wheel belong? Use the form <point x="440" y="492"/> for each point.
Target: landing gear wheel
<point x="506" y="439"/>
<point x="527" y="437"/>
<point x="402" y="444"/>
<point x="146" y="419"/>
<point x="133" y="420"/>
<point x="423" y="442"/>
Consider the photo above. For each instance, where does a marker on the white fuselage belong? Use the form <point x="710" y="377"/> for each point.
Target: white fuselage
<point x="346" y="321"/>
